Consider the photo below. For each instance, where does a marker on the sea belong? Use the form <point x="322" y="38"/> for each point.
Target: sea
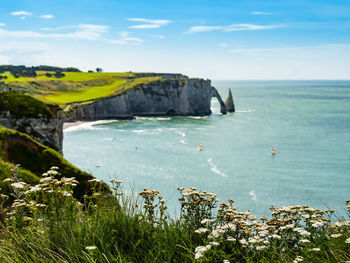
<point x="307" y="123"/>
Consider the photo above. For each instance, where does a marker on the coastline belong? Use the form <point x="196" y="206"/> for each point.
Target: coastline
<point x="67" y="125"/>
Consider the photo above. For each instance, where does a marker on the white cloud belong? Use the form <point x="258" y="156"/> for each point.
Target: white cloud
<point x="148" y="23"/>
<point x="230" y="28"/>
<point x="2" y="24"/>
<point x="21" y="13"/>
<point x="125" y="39"/>
<point x="48" y="16"/>
<point x="262" y="13"/>
<point x="224" y="44"/>
<point x="263" y="52"/>
<point x="82" y="32"/>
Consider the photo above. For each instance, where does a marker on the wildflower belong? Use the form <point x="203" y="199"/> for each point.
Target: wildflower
<point x="298" y="259"/>
<point x="243" y="241"/>
<point x="200" y="250"/>
<point x="317" y="224"/>
<point x="90" y="248"/>
<point x="10" y="180"/>
<point x="52" y="172"/>
<point x="116" y="181"/>
<point x="226" y="261"/>
<point x="305" y="241"/>
<point x="19" y="185"/>
<point x="215" y="233"/>
<point x="276" y="236"/>
<point x="46" y="179"/>
<point x="204" y="221"/>
<point x="64" y="193"/>
<point x="231" y="239"/>
<point x="201" y="230"/>
<point x="33" y="189"/>
<point x="261" y="247"/>
<point x="347" y="241"/>
<point x="95" y="180"/>
<point x="315" y="249"/>
<point x="214" y="243"/>
<point x="336" y="235"/>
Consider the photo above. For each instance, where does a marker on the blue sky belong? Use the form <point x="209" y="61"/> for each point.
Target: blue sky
<point x="217" y="39"/>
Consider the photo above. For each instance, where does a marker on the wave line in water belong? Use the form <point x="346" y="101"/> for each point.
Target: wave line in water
<point x="253" y="195"/>
<point x="215" y="169"/>
<point x="80" y="125"/>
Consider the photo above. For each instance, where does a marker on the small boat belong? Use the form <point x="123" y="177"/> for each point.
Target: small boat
<point x="273" y="152"/>
<point x="200" y="147"/>
<point x="98" y="165"/>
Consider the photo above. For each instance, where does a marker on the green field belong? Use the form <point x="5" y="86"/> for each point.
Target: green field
<point x="74" y="87"/>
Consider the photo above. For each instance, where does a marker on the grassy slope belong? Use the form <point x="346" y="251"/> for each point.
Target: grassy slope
<point x="75" y="86"/>
<point x="18" y="148"/>
<point x="21" y="105"/>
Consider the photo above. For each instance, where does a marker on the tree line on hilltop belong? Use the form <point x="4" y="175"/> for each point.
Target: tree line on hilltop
<point x="23" y="71"/>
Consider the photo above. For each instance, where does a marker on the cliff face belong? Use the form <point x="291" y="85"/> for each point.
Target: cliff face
<point x="163" y="97"/>
<point x="30" y="116"/>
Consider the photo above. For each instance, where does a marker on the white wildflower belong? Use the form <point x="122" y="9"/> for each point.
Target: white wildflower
<point x="315" y="249"/>
<point x="298" y="259"/>
<point x="317" y="224"/>
<point x="261" y="247"/>
<point x="206" y="220"/>
<point x="95" y="180"/>
<point x="226" y="261"/>
<point x="10" y="180"/>
<point x="116" y="181"/>
<point x="347" y="241"/>
<point x="336" y="235"/>
<point x="90" y="248"/>
<point x="19" y="185"/>
<point x="243" y="241"/>
<point x="231" y="239"/>
<point x="201" y="230"/>
<point x="305" y="241"/>
<point x="214" y="243"/>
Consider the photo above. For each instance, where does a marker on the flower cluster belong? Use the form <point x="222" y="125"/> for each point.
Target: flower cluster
<point x="290" y="228"/>
<point x="150" y="205"/>
<point x="196" y="206"/>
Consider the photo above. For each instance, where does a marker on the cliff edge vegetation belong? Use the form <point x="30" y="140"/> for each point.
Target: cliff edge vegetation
<point x="19" y="148"/>
<point x="69" y="87"/>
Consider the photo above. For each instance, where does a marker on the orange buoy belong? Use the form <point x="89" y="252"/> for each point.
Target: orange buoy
<point x="200" y="147"/>
<point x="273" y="151"/>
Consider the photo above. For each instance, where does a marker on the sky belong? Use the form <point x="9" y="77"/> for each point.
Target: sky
<point x="215" y="39"/>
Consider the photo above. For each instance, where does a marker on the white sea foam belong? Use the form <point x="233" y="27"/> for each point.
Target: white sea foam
<point x="181" y="133"/>
<point x="154" y="131"/>
<point x="153" y="118"/>
<point x="197" y="117"/>
<point x="215" y="169"/>
<point x="253" y="195"/>
<point x="77" y="126"/>
<point x="248" y="110"/>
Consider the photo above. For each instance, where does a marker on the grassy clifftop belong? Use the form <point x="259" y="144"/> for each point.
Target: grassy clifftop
<point x="18" y="148"/>
<point x="74" y="87"/>
<point x="21" y="105"/>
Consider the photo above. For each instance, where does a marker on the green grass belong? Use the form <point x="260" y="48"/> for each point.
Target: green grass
<point x="88" y="94"/>
<point x="76" y="87"/>
<point x="19" y="148"/>
<point x="23" y="106"/>
<point x="119" y="228"/>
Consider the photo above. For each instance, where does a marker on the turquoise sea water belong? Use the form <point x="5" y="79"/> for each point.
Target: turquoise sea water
<point x="308" y="123"/>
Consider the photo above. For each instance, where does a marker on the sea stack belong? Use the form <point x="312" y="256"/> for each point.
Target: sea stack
<point x="230" y="106"/>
